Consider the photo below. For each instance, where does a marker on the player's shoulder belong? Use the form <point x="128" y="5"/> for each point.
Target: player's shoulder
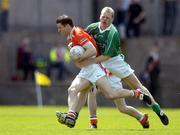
<point x="77" y="31"/>
<point x="113" y="33"/>
<point x="79" y="36"/>
<point x="92" y="26"/>
<point x="113" y="28"/>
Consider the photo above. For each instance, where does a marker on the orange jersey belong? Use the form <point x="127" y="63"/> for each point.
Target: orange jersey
<point x="79" y="37"/>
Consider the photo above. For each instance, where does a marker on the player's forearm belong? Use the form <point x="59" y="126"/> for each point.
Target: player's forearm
<point x="87" y="62"/>
<point x="88" y="53"/>
<point x="101" y="58"/>
<point x="98" y="59"/>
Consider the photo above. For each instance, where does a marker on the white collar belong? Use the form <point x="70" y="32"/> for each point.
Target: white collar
<point x="101" y="31"/>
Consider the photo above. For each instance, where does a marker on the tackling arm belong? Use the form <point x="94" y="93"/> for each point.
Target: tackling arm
<point x="90" y="61"/>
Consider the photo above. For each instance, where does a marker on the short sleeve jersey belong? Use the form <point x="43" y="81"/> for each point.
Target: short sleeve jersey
<point x="79" y="37"/>
<point x="108" y="41"/>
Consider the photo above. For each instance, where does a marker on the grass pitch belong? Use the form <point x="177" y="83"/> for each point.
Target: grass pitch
<point x="28" y="120"/>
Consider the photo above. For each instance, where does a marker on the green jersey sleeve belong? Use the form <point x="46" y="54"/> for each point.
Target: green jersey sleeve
<point x="90" y="27"/>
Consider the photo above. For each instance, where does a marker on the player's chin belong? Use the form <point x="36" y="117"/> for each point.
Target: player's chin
<point x="105" y="25"/>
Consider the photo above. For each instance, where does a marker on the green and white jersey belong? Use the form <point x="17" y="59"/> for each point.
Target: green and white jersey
<point x="108" y="41"/>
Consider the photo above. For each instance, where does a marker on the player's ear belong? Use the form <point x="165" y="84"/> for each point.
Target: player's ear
<point x="100" y="17"/>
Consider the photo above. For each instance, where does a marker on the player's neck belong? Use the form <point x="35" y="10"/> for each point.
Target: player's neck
<point x="102" y="27"/>
<point x="71" y="29"/>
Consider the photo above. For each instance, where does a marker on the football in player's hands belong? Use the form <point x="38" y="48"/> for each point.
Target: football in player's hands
<point x="76" y="52"/>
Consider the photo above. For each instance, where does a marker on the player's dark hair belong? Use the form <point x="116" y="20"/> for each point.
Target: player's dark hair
<point x="64" y="20"/>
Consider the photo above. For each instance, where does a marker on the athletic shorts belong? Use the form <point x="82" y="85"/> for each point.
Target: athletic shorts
<point x="115" y="82"/>
<point x="92" y="73"/>
<point x="118" y="67"/>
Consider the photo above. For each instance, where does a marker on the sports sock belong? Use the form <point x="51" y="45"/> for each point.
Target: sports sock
<point x="142" y="117"/>
<point x="136" y="93"/>
<point x="156" y="108"/>
<point x="93" y="120"/>
<point x="73" y="114"/>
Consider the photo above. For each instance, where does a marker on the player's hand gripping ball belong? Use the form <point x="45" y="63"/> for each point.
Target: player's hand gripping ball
<point x="76" y="52"/>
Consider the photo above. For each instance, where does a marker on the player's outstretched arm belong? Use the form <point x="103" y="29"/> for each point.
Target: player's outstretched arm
<point x="96" y="60"/>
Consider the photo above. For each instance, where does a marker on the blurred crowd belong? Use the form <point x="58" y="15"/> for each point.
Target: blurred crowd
<point x="55" y="65"/>
<point x="131" y="15"/>
<point x="4" y="15"/>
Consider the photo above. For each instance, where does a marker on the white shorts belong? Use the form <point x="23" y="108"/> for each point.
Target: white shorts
<point x="115" y="82"/>
<point x="92" y="73"/>
<point x="118" y="67"/>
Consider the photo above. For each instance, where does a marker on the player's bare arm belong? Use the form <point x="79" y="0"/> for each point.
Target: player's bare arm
<point x="90" y="51"/>
<point x="101" y="58"/>
<point x="90" y="61"/>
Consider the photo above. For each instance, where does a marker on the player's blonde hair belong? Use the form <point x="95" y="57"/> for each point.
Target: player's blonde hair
<point x="108" y="10"/>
